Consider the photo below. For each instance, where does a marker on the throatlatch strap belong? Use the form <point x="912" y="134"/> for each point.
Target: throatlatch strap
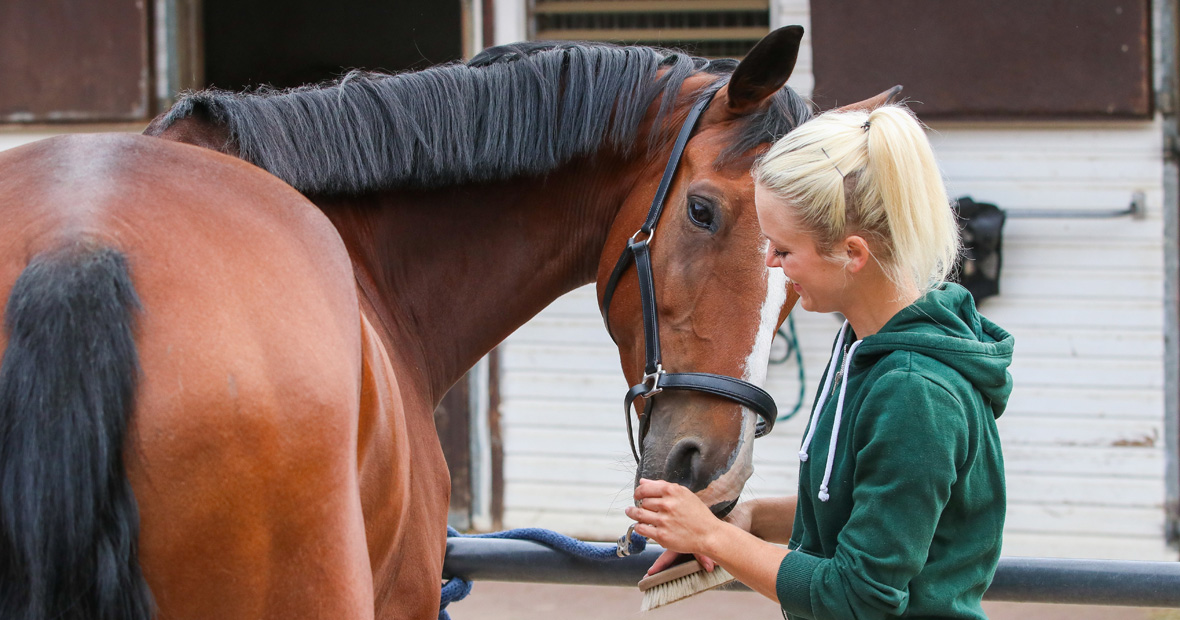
<point x="635" y="392"/>
<point x="620" y="266"/>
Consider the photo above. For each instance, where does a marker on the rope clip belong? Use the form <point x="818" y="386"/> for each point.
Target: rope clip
<point x="623" y="546"/>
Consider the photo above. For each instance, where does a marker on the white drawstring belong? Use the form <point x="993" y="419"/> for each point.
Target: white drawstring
<point x="823" y="487"/>
<point x="823" y="395"/>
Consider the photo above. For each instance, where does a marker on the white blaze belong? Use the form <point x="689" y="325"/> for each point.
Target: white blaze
<point x="727" y="487"/>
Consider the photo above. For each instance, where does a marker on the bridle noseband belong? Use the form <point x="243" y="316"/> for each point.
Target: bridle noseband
<point x="655" y="379"/>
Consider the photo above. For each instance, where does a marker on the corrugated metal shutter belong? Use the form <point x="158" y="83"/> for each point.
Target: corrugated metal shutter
<point x="710" y="28"/>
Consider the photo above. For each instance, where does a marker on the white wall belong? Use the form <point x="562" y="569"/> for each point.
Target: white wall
<point x="1083" y="436"/>
<point x="1084" y="299"/>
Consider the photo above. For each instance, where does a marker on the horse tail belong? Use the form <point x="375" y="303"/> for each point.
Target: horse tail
<point x="69" y="525"/>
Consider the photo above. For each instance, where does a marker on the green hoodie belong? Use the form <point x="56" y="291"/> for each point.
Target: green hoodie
<point x="913" y="509"/>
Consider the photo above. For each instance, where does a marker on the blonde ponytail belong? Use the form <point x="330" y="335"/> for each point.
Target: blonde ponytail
<point x="871" y="174"/>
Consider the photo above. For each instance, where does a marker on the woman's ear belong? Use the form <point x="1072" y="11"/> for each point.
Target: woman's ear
<point x="857" y="253"/>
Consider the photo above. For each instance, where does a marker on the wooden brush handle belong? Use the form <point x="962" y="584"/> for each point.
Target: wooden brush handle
<point x="668" y="574"/>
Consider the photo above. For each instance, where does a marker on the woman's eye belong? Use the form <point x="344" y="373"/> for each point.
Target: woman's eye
<point x="700" y="212"/>
<point x="780" y="253"/>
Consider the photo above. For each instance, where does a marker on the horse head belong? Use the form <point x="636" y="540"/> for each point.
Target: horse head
<point x="716" y="303"/>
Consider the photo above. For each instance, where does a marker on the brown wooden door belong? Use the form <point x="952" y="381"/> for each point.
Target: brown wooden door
<point x="63" y="60"/>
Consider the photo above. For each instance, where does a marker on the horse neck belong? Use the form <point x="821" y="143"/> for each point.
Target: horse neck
<point x="450" y="273"/>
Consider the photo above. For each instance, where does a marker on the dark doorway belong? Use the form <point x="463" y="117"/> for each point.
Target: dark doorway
<point x="292" y="42"/>
<point x="452" y="419"/>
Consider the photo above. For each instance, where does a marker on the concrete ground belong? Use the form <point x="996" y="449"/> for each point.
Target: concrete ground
<point x="491" y="600"/>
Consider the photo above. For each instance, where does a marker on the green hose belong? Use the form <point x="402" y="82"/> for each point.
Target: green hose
<point x="789" y="335"/>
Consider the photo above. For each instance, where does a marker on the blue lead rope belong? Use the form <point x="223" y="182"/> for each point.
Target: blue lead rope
<point x="457" y="588"/>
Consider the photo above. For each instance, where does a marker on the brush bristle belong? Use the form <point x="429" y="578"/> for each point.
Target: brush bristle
<point x="684" y="587"/>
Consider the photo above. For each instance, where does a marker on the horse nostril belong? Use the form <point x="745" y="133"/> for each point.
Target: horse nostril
<point x="684" y="461"/>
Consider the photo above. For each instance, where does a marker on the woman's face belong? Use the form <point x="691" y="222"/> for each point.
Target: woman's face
<point x="820" y="281"/>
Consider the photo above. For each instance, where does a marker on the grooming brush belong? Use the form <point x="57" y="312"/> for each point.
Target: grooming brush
<point x="680" y="582"/>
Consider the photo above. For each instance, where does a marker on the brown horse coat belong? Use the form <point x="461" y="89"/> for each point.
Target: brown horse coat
<point x="282" y="448"/>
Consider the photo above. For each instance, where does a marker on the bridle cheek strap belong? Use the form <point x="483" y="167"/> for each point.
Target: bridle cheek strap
<point x="655" y="379"/>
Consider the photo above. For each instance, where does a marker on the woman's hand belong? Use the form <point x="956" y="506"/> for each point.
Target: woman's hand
<point x="672" y="516"/>
<point x="740" y="517"/>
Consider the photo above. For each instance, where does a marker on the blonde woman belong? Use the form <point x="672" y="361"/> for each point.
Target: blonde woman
<point x="901" y="503"/>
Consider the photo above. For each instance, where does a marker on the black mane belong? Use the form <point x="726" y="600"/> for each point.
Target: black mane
<point x="521" y="109"/>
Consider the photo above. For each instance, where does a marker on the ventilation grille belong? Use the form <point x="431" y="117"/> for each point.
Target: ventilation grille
<point x="709" y="28"/>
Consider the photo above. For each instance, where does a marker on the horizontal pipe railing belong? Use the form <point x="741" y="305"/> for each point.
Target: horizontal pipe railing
<point x="1027" y="580"/>
<point x="1137" y="210"/>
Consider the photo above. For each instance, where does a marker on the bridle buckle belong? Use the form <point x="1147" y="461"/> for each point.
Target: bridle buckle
<point x="652" y="381"/>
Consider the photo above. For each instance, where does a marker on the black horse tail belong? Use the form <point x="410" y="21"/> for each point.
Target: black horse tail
<point x="69" y="525"/>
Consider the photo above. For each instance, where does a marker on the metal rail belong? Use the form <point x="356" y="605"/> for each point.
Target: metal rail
<point x="1137" y="210"/>
<point x="1030" y="580"/>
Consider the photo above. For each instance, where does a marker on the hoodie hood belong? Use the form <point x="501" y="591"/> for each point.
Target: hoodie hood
<point x="945" y="326"/>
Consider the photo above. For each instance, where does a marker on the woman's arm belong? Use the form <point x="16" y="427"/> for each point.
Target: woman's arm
<point x="752" y="560"/>
<point x="771" y="518"/>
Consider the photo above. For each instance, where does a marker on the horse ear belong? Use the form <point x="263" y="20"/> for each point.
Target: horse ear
<point x="764" y="70"/>
<point x="874" y="102"/>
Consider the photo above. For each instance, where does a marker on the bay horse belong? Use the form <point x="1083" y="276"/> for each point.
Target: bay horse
<point x="224" y="340"/>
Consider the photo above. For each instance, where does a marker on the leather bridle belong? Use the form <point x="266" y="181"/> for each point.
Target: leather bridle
<point x="655" y="378"/>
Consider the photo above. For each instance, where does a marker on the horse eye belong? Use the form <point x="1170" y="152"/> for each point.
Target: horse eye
<point x="700" y="212"/>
